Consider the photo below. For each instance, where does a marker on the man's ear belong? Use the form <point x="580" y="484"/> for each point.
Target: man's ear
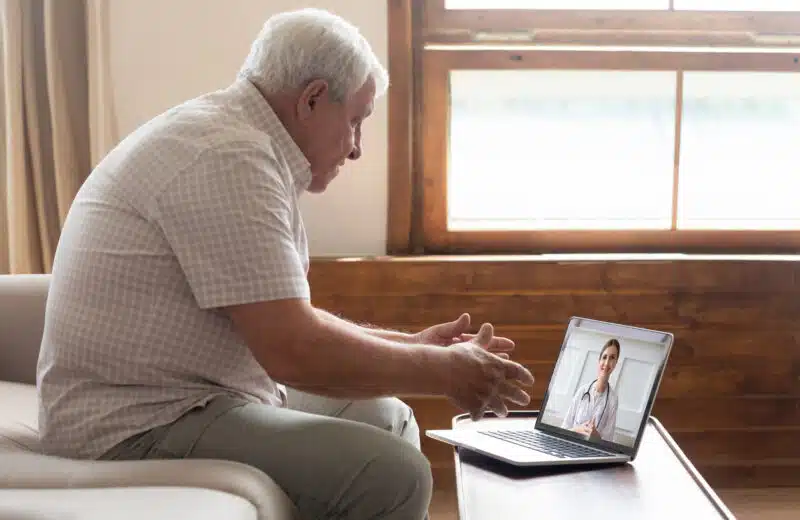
<point x="312" y="95"/>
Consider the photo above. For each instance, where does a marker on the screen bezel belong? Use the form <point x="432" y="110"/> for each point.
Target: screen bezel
<point x="614" y="329"/>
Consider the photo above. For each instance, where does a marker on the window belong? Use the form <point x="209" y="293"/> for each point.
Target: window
<point x="543" y="126"/>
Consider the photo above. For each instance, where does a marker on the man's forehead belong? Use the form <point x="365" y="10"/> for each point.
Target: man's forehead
<point x="363" y="102"/>
<point x="369" y="108"/>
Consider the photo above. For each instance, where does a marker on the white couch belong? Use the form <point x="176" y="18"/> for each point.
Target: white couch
<point x="35" y="486"/>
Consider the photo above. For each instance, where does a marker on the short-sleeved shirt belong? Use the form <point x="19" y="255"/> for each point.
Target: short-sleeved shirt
<point x="194" y="211"/>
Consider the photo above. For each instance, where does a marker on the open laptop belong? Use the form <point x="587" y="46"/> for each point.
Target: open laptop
<point x="618" y="413"/>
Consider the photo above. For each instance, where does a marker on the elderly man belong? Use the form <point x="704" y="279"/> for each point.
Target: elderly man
<point x="179" y="322"/>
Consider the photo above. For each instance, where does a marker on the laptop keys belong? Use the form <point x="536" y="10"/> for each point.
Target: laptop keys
<point x="546" y="444"/>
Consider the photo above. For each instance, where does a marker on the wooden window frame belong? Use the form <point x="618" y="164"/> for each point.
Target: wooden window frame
<point x="437" y="41"/>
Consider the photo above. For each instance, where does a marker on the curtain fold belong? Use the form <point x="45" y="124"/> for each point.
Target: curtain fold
<point x="45" y="131"/>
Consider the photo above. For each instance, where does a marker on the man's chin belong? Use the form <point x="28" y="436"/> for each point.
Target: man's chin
<point x="320" y="184"/>
<point x="313" y="189"/>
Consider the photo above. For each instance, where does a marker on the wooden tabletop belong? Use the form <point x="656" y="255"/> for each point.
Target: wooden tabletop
<point x="660" y="483"/>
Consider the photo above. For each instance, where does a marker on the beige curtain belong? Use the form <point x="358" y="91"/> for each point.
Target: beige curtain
<point x="45" y="142"/>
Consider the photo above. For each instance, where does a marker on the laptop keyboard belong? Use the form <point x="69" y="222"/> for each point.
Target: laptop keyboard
<point x="546" y="444"/>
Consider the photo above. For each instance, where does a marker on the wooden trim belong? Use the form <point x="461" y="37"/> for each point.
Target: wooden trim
<point x="434" y="139"/>
<point x="443" y="20"/>
<point x="541" y="37"/>
<point x="441" y="241"/>
<point x="677" y="153"/>
<point x="419" y="12"/>
<point x="401" y="104"/>
<point x="515" y="58"/>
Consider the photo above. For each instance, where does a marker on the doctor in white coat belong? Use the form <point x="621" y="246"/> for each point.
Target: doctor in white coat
<point x="593" y="411"/>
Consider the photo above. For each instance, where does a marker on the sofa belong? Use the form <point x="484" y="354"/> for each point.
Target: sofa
<point x="36" y="486"/>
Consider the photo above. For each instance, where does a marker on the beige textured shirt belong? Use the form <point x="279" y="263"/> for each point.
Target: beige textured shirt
<point x="196" y="210"/>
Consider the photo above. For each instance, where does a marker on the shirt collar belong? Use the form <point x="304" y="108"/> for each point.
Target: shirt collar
<point x="263" y="117"/>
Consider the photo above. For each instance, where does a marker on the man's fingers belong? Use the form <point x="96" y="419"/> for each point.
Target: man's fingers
<point x="497" y="344"/>
<point x="500" y="344"/>
<point x="455" y="329"/>
<point x="503" y="355"/>
<point x="477" y="412"/>
<point x="519" y="373"/>
<point x="462" y="323"/>
<point x="484" y="335"/>
<point x="515" y="394"/>
<point x="498" y="406"/>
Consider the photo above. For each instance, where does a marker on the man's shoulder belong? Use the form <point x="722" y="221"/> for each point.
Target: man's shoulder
<point x="202" y="139"/>
<point x="222" y="135"/>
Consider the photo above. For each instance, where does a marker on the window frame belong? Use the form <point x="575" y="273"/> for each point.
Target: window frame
<point x="734" y="24"/>
<point x="442" y="40"/>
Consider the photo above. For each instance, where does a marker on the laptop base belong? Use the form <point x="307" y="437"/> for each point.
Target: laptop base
<point x="511" y="453"/>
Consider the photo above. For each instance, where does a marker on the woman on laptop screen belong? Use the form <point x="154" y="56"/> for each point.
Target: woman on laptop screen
<point x="593" y="411"/>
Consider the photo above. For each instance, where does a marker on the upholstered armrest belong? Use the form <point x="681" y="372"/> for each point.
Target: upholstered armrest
<point x="22" y="470"/>
<point x="129" y="503"/>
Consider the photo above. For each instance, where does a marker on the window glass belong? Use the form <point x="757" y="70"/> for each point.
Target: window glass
<point x="533" y="149"/>
<point x="740" y="151"/>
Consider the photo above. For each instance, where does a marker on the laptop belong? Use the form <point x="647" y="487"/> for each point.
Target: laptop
<point x="596" y="407"/>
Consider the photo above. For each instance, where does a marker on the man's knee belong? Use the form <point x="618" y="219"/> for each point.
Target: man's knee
<point x="388" y="413"/>
<point x="402" y="420"/>
<point x="404" y="478"/>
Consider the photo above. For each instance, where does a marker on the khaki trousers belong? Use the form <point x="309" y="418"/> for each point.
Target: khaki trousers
<point x="335" y="459"/>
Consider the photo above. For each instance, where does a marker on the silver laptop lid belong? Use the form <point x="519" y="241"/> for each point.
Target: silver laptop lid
<point x="581" y="406"/>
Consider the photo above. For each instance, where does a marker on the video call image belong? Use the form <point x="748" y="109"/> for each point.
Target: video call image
<point x="602" y="384"/>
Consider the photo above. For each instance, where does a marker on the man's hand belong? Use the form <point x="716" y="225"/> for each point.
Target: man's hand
<point x="450" y="333"/>
<point x="478" y="379"/>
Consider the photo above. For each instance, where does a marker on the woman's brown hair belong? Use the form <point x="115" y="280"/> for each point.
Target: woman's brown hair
<point x="610" y="343"/>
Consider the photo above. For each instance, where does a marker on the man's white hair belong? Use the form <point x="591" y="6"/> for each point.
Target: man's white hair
<point x="297" y="47"/>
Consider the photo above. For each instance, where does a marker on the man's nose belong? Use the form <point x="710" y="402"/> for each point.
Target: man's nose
<point x="355" y="153"/>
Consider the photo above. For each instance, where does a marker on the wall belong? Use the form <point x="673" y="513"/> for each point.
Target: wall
<point x="730" y="396"/>
<point x="161" y="53"/>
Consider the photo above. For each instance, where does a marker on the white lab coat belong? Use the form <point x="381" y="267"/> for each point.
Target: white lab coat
<point x="581" y="410"/>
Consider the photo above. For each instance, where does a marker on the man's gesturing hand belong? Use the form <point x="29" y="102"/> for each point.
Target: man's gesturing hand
<point x="480" y="380"/>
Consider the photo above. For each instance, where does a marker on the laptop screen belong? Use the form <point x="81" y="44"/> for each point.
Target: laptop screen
<point x="604" y="383"/>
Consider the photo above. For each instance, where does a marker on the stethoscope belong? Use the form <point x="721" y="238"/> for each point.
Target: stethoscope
<point x="589" y="397"/>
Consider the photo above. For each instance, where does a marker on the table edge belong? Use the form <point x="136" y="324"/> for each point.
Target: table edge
<point x="673" y="446"/>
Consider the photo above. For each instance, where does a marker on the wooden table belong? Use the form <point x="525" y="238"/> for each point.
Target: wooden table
<point x="660" y="483"/>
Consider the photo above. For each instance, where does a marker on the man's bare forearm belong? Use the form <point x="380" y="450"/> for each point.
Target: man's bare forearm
<point x="340" y="359"/>
<point x="390" y="335"/>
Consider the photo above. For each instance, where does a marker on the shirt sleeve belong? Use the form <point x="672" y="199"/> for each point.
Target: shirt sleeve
<point x="229" y="221"/>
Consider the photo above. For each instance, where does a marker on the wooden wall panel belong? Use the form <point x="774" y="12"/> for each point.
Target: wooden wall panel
<point x="731" y="391"/>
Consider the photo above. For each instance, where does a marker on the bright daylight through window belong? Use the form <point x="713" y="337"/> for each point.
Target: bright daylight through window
<point x="596" y="150"/>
